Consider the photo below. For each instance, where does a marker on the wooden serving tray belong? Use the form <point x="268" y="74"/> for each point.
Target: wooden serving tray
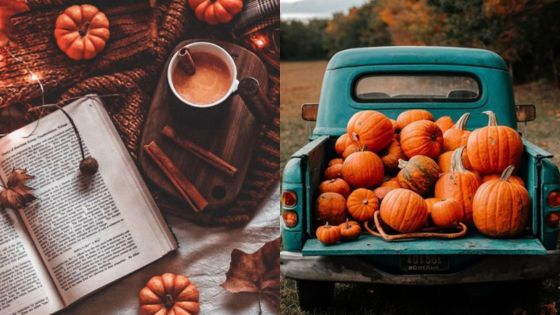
<point x="229" y="130"/>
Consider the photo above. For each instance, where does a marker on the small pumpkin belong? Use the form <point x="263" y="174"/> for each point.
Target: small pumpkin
<point x="363" y="169"/>
<point x="446" y="213"/>
<point x="290" y="218"/>
<point x="404" y="211"/>
<point x="169" y="294"/>
<point x="493" y="148"/>
<point x="444" y="161"/>
<point x="337" y="185"/>
<point x="444" y="123"/>
<point x="351" y="148"/>
<point x="391" y="156"/>
<point x="512" y="179"/>
<point x="333" y="171"/>
<point x="430" y="203"/>
<point x="371" y="129"/>
<point x="412" y="115"/>
<point x="82" y="31"/>
<point x="458" y="135"/>
<point x="341" y="143"/>
<point x="422" y="137"/>
<point x="335" y="161"/>
<point x="392" y="182"/>
<point x="459" y="184"/>
<point x="361" y="204"/>
<point x="328" y="234"/>
<point x="216" y="11"/>
<point x="500" y="207"/>
<point x="349" y="230"/>
<point x="330" y="207"/>
<point x="381" y="192"/>
<point x="418" y="174"/>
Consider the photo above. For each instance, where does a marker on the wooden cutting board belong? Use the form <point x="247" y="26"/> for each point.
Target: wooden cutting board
<point x="229" y="131"/>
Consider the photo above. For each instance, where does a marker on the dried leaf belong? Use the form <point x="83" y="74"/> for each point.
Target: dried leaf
<point x="9" y="8"/>
<point x="258" y="272"/>
<point x="16" y="194"/>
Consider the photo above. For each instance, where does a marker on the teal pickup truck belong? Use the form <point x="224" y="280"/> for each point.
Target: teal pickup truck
<point x="445" y="81"/>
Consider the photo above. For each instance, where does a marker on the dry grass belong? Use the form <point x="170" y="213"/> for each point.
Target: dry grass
<point x="301" y="83"/>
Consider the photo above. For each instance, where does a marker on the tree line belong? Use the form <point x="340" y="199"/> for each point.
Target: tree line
<point x="524" y="32"/>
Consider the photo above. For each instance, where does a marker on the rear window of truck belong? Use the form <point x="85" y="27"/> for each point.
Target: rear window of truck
<point x="417" y="87"/>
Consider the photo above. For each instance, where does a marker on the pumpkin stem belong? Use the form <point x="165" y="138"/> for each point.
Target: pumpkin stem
<point x="402" y="163"/>
<point x="506" y="174"/>
<point x="84" y="29"/>
<point x="355" y="137"/>
<point x="457" y="161"/>
<point x="491" y="118"/>
<point x="365" y="201"/>
<point x="347" y="225"/>
<point x="461" y="124"/>
<point x="168" y="300"/>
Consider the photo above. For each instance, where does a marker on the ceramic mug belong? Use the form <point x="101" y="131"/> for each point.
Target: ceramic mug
<point x="209" y="48"/>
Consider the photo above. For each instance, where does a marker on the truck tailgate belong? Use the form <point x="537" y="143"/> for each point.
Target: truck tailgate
<point x="472" y="244"/>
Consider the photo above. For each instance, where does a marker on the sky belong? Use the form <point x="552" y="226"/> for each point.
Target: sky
<point x="307" y="9"/>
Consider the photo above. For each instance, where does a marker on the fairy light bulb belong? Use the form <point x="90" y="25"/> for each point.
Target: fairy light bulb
<point x="34" y="76"/>
<point x="259" y="41"/>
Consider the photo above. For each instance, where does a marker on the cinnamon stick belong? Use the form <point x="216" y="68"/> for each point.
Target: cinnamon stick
<point x="203" y="154"/>
<point x="186" y="189"/>
<point x="186" y="61"/>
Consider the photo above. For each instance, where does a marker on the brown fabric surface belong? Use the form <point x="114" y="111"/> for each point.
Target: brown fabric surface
<point x="141" y="39"/>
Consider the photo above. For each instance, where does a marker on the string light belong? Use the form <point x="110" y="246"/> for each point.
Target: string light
<point x="260" y="41"/>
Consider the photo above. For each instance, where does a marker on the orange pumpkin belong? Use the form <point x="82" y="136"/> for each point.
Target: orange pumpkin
<point x="351" y="148"/>
<point x="391" y="156"/>
<point x="341" y="143"/>
<point x="335" y="161"/>
<point x="392" y="182"/>
<point x="371" y="129"/>
<point x="290" y="218"/>
<point x="349" y="230"/>
<point x="361" y="204"/>
<point x="169" y="294"/>
<point x="459" y="184"/>
<point x="422" y="137"/>
<point x="412" y="115"/>
<point x="446" y="213"/>
<point x="328" y="234"/>
<point x="333" y="171"/>
<point x="363" y="169"/>
<point x="381" y="192"/>
<point x="216" y="11"/>
<point x="512" y="179"/>
<point x="418" y="174"/>
<point x="493" y="148"/>
<point x="404" y="210"/>
<point x="82" y="31"/>
<point x="337" y="185"/>
<point x="430" y="203"/>
<point x="330" y="207"/>
<point x="458" y="135"/>
<point x="444" y="161"/>
<point x="444" y="123"/>
<point x="394" y="123"/>
<point x="500" y="207"/>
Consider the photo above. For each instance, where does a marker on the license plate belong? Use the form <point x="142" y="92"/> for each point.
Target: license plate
<point x="424" y="263"/>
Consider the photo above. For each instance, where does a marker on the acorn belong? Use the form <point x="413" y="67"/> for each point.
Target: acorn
<point x="89" y="166"/>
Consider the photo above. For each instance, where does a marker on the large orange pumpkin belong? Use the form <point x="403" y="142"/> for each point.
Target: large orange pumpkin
<point x="169" y="294"/>
<point x="444" y="161"/>
<point x="330" y="207"/>
<point x="337" y="185"/>
<point x="458" y="135"/>
<point x="444" y="123"/>
<point x="493" y="148"/>
<point x="412" y="115"/>
<point x="459" y="184"/>
<point x="361" y="204"/>
<point x="422" y="137"/>
<point x="371" y="129"/>
<point x="512" y="179"/>
<point x="500" y="207"/>
<point x="418" y="174"/>
<point x="404" y="210"/>
<point x="82" y="31"/>
<point x="391" y="156"/>
<point x="363" y="169"/>
<point x="216" y="11"/>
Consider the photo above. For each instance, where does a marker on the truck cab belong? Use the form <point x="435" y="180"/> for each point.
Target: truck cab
<point x="444" y="81"/>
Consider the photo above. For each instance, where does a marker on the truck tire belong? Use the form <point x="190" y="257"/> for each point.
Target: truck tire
<point x="314" y="294"/>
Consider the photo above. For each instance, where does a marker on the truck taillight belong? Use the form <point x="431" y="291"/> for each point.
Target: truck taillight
<point x="552" y="219"/>
<point x="289" y="199"/>
<point x="554" y="199"/>
<point x="290" y="218"/>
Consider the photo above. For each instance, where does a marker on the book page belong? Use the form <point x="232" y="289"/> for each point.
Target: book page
<point x="26" y="285"/>
<point x="89" y="230"/>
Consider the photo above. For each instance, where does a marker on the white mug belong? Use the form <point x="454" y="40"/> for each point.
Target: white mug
<point x="209" y="48"/>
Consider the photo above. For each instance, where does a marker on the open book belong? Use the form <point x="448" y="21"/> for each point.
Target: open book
<point x="81" y="233"/>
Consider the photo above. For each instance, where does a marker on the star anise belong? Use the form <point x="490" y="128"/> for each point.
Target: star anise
<point x="16" y="194"/>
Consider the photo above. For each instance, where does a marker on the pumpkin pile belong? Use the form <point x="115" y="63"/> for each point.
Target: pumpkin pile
<point x="422" y="174"/>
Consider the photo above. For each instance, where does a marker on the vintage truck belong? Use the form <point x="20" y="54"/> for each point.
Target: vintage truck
<point x="445" y="81"/>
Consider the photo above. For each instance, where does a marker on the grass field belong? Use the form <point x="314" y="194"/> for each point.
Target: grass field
<point x="301" y="83"/>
